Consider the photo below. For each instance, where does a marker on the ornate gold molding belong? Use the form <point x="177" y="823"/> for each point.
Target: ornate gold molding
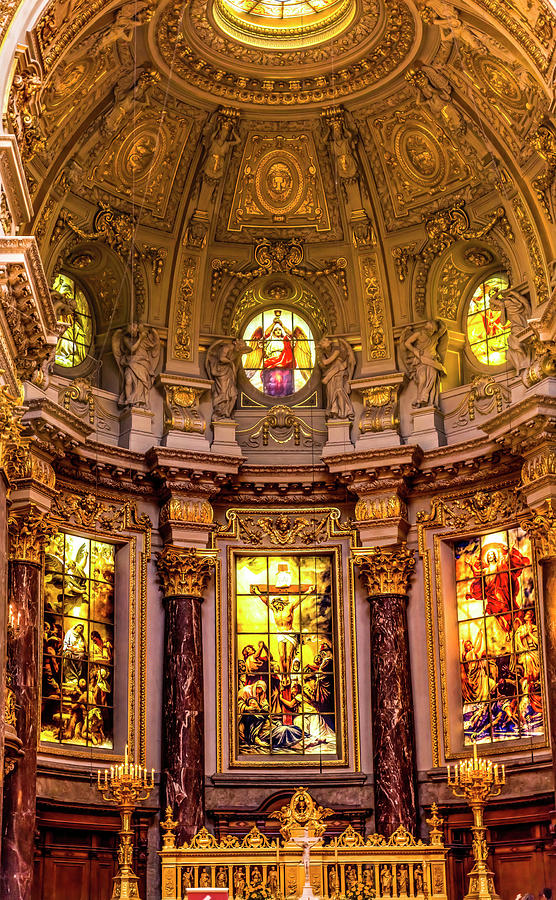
<point x="377" y="346"/>
<point x="188" y="512"/>
<point x="28" y="532"/>
<point x="540" y="524"/>
<point x="184" y="571"/>
<point x="385" y="570"/>
<point x="369" y="509"/>
<point x="181" y="408"/>
<point x="310" y="525"/>
<point x="380" y="408"/>
<point x="539" y="466"/>
<point x="482" y="508"/>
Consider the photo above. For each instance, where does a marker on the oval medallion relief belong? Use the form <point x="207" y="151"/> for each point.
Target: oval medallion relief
<point x="140" y="153"/>
<point x="279" y="182"/>
<point x="420" y="155"/>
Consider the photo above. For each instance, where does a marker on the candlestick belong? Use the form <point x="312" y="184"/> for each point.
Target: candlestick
<point x="477" y="780"/>
<point x="126" y="785"/>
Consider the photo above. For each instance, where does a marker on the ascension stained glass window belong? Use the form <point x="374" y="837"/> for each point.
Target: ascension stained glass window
<point x="78" y="642"/>
<point x="486" y="332"/>
<point x="501" y="679"/>
<point x="282" y="355"/>
<point x="73" y="309"/>
<point x="285" y="656"/>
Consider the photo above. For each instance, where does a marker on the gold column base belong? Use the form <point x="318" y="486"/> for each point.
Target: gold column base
<point x="481" y="885"/>
<point x="125" y="886"/>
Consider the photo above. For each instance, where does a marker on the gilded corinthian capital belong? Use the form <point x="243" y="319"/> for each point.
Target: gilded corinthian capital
<point x="29" y="531"/>
<point x="184" y="571"/>
<point x="385" y="570"/>
<point x="540" y="524"/>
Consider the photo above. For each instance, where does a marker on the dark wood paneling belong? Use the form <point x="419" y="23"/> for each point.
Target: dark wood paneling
<point x="75" y="853"/>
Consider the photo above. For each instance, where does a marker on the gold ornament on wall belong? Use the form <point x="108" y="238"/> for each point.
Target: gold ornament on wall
<point x="380" y="408"/>
<point x="279" y="182"/>
<point x="185" y="572"/>
<point x="28" y="533"/>
<point x="375" y="309"/>
<point x="187" y="512"/>
<point x="385" y="570"/>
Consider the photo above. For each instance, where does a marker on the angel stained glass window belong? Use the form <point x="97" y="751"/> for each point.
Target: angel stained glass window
<point x="78" y="643"/>
<point x="72" y="308"/>
<point x="500" y="664"/>
<point x="487" y="328"/>
<point x="282" y="356"/>
<point x="285" y="665"/>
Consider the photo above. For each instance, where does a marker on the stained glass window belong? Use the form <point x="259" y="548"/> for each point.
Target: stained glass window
<point x="285" y="655"/>
<point x="74" y="309"/>
<point x="280" y="9"/>
<point x="282" y="355"/>
<point x="486" y="332"/>
<point x="78" y="642"/>
<point x="499" y="638"/>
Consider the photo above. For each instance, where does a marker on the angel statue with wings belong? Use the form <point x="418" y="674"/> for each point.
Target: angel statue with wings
<point x="136" y="349"/>
<point x="422" y="352"/>
<point x="278" y="353"/>
<point x="337" y="361"/>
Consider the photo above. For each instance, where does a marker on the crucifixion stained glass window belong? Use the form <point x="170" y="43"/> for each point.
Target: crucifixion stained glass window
<point x="501" y="674"/>
<point x="285" y="655"/>
<point x="78" y="642"/>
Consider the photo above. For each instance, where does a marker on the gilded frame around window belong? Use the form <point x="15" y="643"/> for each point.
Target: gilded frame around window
<point x="82" y="515"/>
<point x="281" y="762"/>
<point x="455" y="517"/>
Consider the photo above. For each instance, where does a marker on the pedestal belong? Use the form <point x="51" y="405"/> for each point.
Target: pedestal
<point x="224" y="440"/>
<point x="18" y="832"/>
<point x="136" y="425"/>
<point x="428" y="428"/>
<point x="339" y="440"/>
<point x="183" y="441"/>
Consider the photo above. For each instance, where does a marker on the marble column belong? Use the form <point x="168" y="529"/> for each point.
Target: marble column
<point x="28" y="531"/>
<point x="385" y="574"/>
<point x="184" y="574"/>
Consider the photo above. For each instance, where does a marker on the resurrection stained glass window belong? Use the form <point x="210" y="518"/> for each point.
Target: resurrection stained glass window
<point x="74" y="344"/>
<point x="78" y="642"/>
<point x="285" y="656"/>
<point x="501" y="679"/>
<point x="282" y="355"/>
<point x="486" y="332"/>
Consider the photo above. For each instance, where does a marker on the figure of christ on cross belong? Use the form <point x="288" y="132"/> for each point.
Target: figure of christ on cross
<point x="283" y="608"/>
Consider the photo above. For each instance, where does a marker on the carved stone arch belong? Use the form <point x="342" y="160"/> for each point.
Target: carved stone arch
<point x="453" y="277"/>
<point x="101" y="271"/>
<point x="320" y="290"/>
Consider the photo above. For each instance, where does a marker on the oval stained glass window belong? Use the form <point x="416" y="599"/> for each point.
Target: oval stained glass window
<point x="487" y="334"/>
<point x="282" y="355"/>
<point x="74" y="310"/>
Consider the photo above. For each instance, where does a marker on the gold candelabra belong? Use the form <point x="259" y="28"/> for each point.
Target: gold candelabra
<point x="125" y="785"/>
<point x="477" y="779"/>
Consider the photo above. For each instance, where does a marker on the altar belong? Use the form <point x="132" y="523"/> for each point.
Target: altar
<point x="350" y="867"/>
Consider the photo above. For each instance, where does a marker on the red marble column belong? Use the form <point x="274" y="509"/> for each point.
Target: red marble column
<point x="27" y="534"/>
<point x="184" y="574"/>
<point x="385" y="574"/>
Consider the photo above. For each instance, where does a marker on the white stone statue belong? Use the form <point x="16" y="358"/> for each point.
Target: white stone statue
<point x="222" y="364"/>
<point x="337" y="361"/>
<point x="136" y="349"/>
<point x="422" y="350"/>
<point x="514" y="308"/>
<point x="219" y="137"/>
<point x="452" y="27"/>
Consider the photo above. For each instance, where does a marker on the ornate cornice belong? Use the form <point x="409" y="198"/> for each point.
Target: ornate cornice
<point x="385" y="570"/>
<point x="28" y="532"/>
<point x="184" y="571"/>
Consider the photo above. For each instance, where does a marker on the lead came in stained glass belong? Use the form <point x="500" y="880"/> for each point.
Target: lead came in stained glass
<point x="498" y="638"/>
<point x="279" y="9"/>
<point x="78" y="642"/>
<point x="282" y="356"/>
<point x="486" y="332"/>
<point x="285" y="655"/>
<point x="74" y="344"/>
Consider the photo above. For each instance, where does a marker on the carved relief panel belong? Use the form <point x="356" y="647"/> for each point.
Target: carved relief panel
<point x="279" y="181"/>
<point x="418" y="159"/>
